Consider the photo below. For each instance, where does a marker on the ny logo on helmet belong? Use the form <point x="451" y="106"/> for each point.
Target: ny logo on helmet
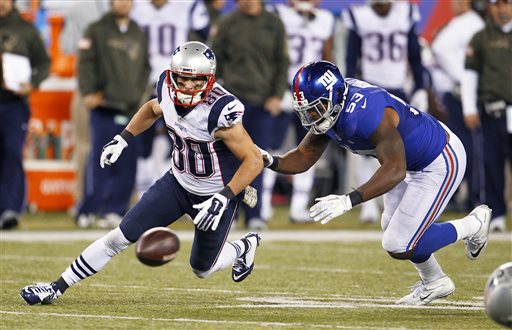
<point x="328" y="79"/>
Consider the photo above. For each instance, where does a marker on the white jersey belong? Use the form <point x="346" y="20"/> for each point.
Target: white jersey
<point x="306" y="36"/>
<point x="168" y="27"/>
<point x="200" y="163"/>
<point x="449" y="48"/>
<point x="384" y="59"/>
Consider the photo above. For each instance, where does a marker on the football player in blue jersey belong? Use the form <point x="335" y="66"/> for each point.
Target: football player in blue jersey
<point x="421" y="165"/>
<point x="214" y="161"/>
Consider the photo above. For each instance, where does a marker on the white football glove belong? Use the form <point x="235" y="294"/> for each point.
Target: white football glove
<point x="419" y="100"/>
<point x="267" y="158"/>
<point x="330" y="207"/>
<point x="211" y="212"/>
<point x="112" y="150"/>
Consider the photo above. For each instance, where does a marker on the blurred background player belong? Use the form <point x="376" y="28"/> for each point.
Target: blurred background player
<point x="214" y="160"/>
<point x="250" y="45"/>
<point x="113" y="72"/>
<point x="382" y="42"/>
<point x="78" y="15"/>
<point x="167" y="24"/>
<point x="487" y="102"/>
<point x="449" y="48"/>
<point x="309" y="31"/>
<point x="19" y="42"/>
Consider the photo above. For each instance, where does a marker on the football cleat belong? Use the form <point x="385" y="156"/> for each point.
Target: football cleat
<point x="244" y="265"/>
<point x="423" y="293"/>
<point x="476" y="244"/>
<point x="42" y="293"/>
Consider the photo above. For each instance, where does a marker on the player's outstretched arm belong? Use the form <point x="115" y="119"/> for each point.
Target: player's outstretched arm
<point x="146" y="116"/>
<point x="390" y="151"/>
<point x="242" y="146"/>
<point x="142" y="120"/>
<point x="301" y="158"/>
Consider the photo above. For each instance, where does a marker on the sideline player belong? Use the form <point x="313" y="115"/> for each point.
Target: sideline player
<point x="211" y="148"/>
<point x="421" y="165"/>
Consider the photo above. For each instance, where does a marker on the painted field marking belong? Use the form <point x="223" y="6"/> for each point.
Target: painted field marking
<point x="186" y="320"/>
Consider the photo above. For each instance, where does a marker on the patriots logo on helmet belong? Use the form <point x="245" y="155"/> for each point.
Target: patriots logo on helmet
<point x="209" y="54"/>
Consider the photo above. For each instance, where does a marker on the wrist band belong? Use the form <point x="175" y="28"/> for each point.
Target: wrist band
<point x="355" y="197"/>
<point x="227" y="192"/>
<point x="275" y="163"/>
<point x="126" y="135"/>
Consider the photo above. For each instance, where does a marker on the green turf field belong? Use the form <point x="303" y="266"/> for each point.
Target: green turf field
<point x="295" y="285"/>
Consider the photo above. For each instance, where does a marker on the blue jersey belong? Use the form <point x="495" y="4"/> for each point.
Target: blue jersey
<point x="423" y="136"/>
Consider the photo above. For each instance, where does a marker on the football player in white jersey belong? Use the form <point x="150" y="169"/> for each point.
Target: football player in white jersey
<point x="309" y="31"/>
<point x="214" y="160"/>
<point x="167" y="23"/>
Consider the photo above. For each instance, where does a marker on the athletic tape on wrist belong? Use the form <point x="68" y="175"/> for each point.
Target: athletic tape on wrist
<point x="227" y="192"/>
<point x="355" y="197"/>
<point x="126" y="135"/>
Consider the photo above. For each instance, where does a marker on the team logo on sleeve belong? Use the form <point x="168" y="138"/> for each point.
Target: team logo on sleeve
<point x="232" y="116"/>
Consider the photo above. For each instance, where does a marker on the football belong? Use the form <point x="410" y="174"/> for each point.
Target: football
<point x="157" y="246"/>
<point x="498" y="295"/>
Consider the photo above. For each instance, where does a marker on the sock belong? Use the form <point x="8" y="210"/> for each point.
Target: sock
<point x="95" y="257"/>
<point x="466" y="227"/>
<point x="430" y="270"/>
<point x="60" y="286"/>
<point x="229" y="253"/>
<point x="437" y="236"/>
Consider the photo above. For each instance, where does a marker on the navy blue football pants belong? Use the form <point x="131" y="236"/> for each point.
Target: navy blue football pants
<point x="164" y="203"/>
<point x="109" y="189"/>
<point x="14" y="117"/>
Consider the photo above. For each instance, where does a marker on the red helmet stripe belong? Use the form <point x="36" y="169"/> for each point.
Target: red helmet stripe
<point x="296" y="87"/>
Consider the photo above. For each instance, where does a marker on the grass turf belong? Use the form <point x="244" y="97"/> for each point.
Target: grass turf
<point x="295" y="285"/>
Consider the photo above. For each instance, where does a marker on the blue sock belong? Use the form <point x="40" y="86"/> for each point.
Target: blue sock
<point x="437" y="236"/>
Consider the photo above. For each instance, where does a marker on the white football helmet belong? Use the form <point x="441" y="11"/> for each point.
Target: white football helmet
<point x="191" y="60"/>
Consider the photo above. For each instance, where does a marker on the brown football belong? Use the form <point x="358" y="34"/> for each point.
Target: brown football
<point x="157" y="246"/>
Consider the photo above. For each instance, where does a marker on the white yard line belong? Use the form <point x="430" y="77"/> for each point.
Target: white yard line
<point x="187" y="235"/>
<point x="185" y="320"/>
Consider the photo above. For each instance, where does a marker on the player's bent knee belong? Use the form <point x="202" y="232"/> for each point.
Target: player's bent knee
<point x="115" y="242"/>
<point x="401" y="255"/>
<point x="201" y="273"/>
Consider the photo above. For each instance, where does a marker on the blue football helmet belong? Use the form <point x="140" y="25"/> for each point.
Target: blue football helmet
<point x="319" y="93"/>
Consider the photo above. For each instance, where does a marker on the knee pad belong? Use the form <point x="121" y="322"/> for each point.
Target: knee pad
<point x="115" y="242"/>
<point x="392" y="244"/>
<point x="201" y="273"/>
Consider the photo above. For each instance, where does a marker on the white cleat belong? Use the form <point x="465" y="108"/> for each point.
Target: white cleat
<point x="243" y="266"/>
<point x="476" y="244"/>
<point x="423" y="293"/>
